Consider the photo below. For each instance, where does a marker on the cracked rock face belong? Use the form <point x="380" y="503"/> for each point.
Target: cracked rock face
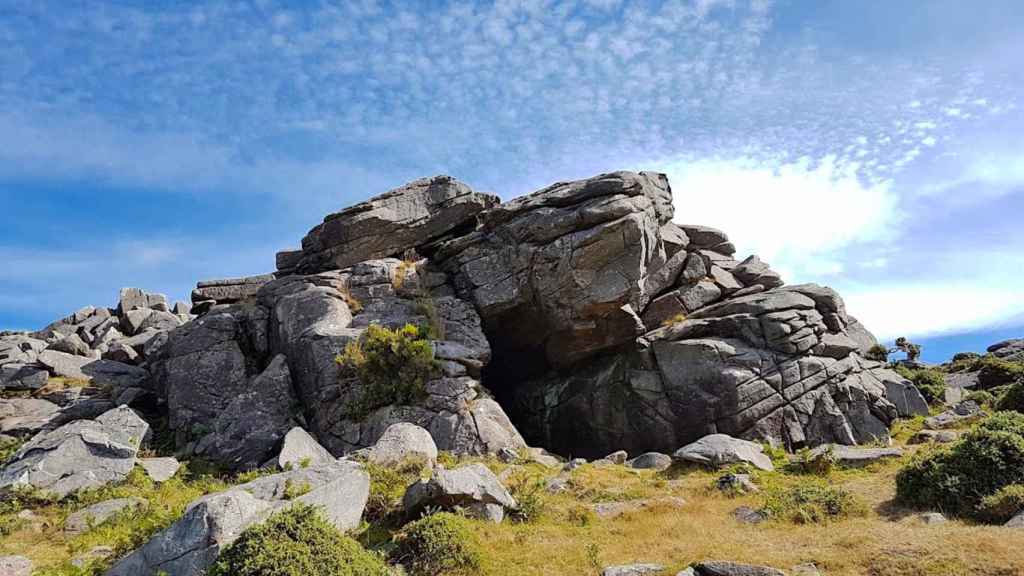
<point x="80" y="454"/>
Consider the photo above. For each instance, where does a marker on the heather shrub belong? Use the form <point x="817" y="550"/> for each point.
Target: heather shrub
<point x="439" y="544"/>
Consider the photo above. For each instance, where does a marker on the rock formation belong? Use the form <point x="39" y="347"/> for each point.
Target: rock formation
<point x="582" y="313"/>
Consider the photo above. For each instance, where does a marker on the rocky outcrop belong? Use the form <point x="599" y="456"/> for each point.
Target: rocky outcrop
<point x="472" y="487"/>
<point x="81" y="454"/>
<point x="1012" y="350"/>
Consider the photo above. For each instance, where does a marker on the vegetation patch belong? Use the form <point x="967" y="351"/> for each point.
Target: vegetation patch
<point x="387" y="486"/>
<point x="956" y="479"/>
<point x="811" y="503"/>
<point x="392" y="365"/>
<point x="441" y="543"/>
<point x="1012" y="399"/>
<point x="931" y="383"/>
<point x="1006" y="503"/>
<point x="297" y="542"/>
<point x="993" y="372"/>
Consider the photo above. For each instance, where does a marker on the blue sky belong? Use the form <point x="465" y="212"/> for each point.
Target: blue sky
<point x="873" y="146"/>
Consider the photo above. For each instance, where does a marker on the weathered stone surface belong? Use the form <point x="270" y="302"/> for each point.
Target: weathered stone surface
<point x="207" y="364"/>
<point x="19" y="349"/>
<point x="391" y="223"/>
<point x="1016" y="522"/>
<point x="193" y="543"/>
<point x="651" y="460"/>
<point x="753" y="271"/>
<point x="469" y="485"/>
<point x="299" y="449"/>
<point x="26" y="416"/>
<point x="402" y="442"/>
<point x="748" y="515"/>
<point x="86" y="518"/>
<point x="229" y="290"/>
<point x="736" y="484"/>
<point x="252" y="425"/>
<point x="853" y="456"/>
<point x="721" y="568"/>
<point x="160" y="469"/>
<point x="15" y="566"/>
<point x="71" y="344"/>
<point x="937" y="436"/>
<point x="561" y="271"/>
<point x="101" y="373"/>
<point x="717" y="450"/>
<point x="931" y="518"/>
<point x="632" y="570"/>
<point x="81" y="454"/>
<point x="963" y="413"/>
<point x="14" y="376"/>
<point x="1012" y="349"/>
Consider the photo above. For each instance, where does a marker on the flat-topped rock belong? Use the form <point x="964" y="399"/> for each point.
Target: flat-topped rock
<point x="99" y="513"/>
<point x="718" y="450"/>
<point x="229" y="290"/>
<point x="389" y="224"/>
<point x="854" y="456"/>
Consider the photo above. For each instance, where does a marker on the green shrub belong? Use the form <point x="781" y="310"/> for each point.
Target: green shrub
<point x="8" y="446"/>
<point x="1012" y="399"/>
<point x="438" y="544"/>
<point x="819" y="465"/>
<point x="1003" y="505"/>
<point x="955" y="479"/>
<point x="392" y="365"/>
<point x="994" y="372"/>
<point x="981" y="397"/>
<point x="965" y="357"/>
<point x="297" y="542"/>
<point x="531" y="498"/>
<point x="878" y="353"/>
<point x="811" y="503"/>
<point x="931" y="383"/>
<point x="387" y="486"/>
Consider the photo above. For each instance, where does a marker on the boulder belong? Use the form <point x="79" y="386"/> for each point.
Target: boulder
<point x="71" y="344"/>
<point x="931" y="518"/>
<point x="560" y="273"/>
<point x="721" y="568"/>
<point x="632" y="570"/>
<point x="299" y="449"/>
<point x="20" y="349"/>
<point x="854" y="456"/>
<point x="1012" y="349"/>
<point x="15" y="566"/>
<point x="389" y="224"/>
<point x="753" y="271"/>
<point x="26" y="416"/>
<point x="99" y="373"/>
<point x="244" y="435"/>
<point x="80" y="454"/>
<point x="229" y="290"/>
<point x="402" y="442"/>
<point x="736" y="484"/>
<point x="651" y="460"/>
<point x="963" y="413"/>
<point x="937" y="436"/>
<point x="717" y="450"/>
<point x="472" y="487"/>
<point x="15" y="376"/>
<point x="192" y="544"/>
<point x="160" y="469"/>
<point x="1017" y="521"/>
<point x="99" y="513"/>
<point x="748" y="515"/>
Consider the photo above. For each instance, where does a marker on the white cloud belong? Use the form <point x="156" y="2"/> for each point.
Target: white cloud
<point x="932" y="308"/>
<point x="798" y="216"/>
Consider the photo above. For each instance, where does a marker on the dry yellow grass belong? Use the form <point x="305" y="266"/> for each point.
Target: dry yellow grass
<point x="886" y="541"/>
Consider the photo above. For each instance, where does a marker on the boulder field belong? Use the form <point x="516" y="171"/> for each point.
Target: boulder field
<point x="581" y="318"/>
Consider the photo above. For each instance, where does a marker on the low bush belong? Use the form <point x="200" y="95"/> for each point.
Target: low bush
<point x="878" y="353"/>
<point x="387" y="486"/>
<point x="804" y="462"/>
<point x="531" y="498"/>
<point x="931" y="383"/>
<point x="811" y="503"/>
<point x="438" y="544"/>
<point x="956" y="479"/>
<point x="297" y="542"/>
<point x="8" y="446"/>
<point x="1003" y="505"/>
<point x="981" y="397"/>
<point x="1012" y="399"/>
<point x="994" y="372"/>
<point x="393" y="367"/>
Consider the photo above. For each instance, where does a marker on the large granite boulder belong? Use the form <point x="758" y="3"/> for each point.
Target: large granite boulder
<point x="253" y="424"/>
<point x="562" y="273"/>
<point x="80" y="454"/>
<point x="192" y="544"/>
<point x="389" y="224"/>
<point x="472" y="487"/>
